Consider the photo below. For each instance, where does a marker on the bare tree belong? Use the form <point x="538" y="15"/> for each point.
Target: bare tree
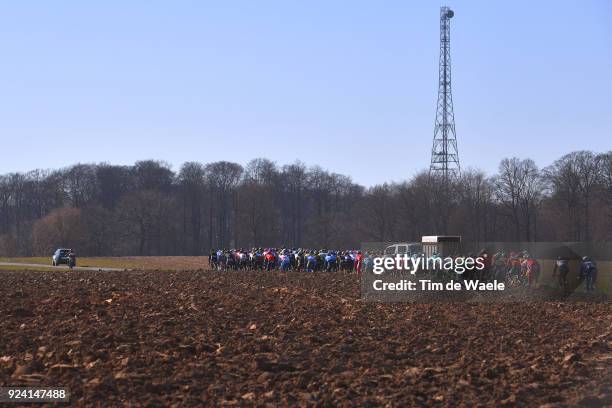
<point x="143" y="217"/>
<point x="564" y="182"/>
<point x="476" y="194"/>
<point x="113" y="182"/>
<point x="192" y="182"/>
<point x="380" y="212"/>
<point x="574" y="180"/>
<point x="62" y="227"/>
<point x="153" y="175"/>
<point x="222" y="179"/>
<point x="589" y="180"/>
<point x="291" y="196"/>
<point x="80" y="184"/>
<point x="518" y="188"/>
<point x="256" y="206"/>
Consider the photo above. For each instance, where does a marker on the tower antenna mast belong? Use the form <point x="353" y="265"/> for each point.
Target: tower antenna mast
<point x="444" y="153"/>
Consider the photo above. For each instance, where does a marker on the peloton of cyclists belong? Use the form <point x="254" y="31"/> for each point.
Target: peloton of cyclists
<point x="516" y="268"/>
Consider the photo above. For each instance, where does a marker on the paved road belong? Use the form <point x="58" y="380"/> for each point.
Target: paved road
<point x="60" y="267"/>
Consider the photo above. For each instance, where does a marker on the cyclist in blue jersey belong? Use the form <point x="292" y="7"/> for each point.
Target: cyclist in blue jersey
<point x="311" y="262"/>
<point x="330" y="262"/>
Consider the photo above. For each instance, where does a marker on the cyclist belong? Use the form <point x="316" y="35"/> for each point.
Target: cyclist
<point x="530" y="269"/>
<point x="311" y="262"/>
<point x="285" y="261"/>
<point x="562" y="266"/>
<point x="485" y="273"/>
<point x="230" y="260"/>
<point x="358" y="261"/>
<point x="330" y="262"/>
<point x="346" y="262"/>
<point x="588" y="272"/>
<point x="270" y="260"/>
<point x="220" y="259"/>
<point x="514" y="267"/>
<point x="212" y="259"/>
<point x="499" y="266"/>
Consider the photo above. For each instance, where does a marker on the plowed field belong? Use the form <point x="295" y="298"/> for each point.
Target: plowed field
<point x="196" y="338"/>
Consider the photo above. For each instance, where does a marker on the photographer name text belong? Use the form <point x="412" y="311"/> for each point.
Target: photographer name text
<point x="428" y="285"/>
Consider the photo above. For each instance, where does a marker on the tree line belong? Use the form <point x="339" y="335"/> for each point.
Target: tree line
<point x="148" y="209"/>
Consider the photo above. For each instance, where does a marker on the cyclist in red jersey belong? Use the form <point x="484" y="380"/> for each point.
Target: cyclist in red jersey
<point x="358" y="262"/>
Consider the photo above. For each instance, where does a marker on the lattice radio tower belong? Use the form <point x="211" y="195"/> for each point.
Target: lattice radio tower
<point x="444" y="153"/>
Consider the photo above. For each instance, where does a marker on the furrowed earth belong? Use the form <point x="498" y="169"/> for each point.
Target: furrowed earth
<point x="188" y="338"/>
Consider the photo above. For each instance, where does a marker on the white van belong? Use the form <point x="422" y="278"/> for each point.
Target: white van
<point x="410" y="248"/>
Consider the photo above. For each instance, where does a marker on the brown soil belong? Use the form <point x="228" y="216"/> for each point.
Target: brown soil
<point x="208" y="338"/>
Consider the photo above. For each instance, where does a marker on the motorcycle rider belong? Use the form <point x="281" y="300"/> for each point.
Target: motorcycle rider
<point x="71" y="259"/>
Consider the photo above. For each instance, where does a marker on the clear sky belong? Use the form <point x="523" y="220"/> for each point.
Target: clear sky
<point x="348" y="85"/>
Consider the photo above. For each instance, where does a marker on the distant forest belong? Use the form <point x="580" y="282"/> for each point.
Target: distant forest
<point x="148" y="209"/>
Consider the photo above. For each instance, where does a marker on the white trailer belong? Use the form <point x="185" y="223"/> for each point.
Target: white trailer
<point x="441" y="245"/>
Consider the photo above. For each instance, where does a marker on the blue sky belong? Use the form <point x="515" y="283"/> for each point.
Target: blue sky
<point x="348" y="85"/>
